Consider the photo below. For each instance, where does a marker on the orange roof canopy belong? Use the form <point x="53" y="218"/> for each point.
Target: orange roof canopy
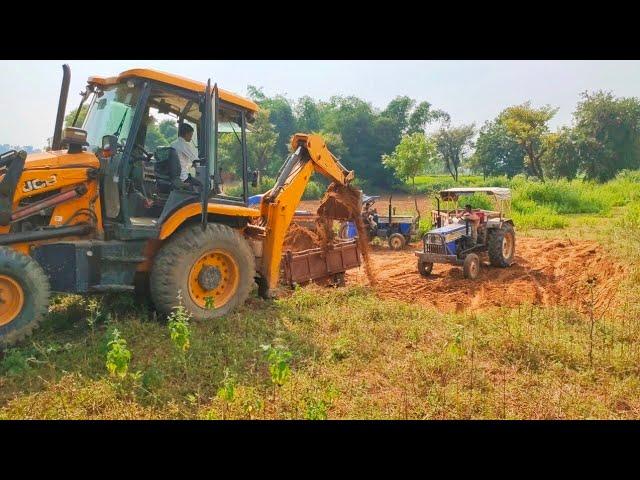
<point x="176" y="80"/>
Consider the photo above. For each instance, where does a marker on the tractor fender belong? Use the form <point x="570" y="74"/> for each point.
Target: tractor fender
<point x="184" y="214"/>
<point x="498" y="226"/>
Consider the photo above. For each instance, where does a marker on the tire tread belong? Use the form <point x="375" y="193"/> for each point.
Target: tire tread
<point x="163" y="283"/>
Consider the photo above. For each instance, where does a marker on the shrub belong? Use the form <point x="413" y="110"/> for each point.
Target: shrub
<point x="118" y="355"/>
<point x="313" y="191"/>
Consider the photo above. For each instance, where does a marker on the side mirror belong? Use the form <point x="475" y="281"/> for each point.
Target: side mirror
<point x="254" y="178"/>
<point x="109" y="145"/>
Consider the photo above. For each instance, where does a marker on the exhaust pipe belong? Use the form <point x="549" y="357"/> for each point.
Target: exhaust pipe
<point x="56" y="143"/>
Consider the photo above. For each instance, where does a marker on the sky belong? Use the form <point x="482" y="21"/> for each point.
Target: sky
<point x="471" y="91"/>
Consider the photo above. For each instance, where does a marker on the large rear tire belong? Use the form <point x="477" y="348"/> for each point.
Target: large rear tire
<point x="213" y="270"/>
<point x="397" y="241"/>
<point x="502" y="246"/>
<point x="24" y="296"/>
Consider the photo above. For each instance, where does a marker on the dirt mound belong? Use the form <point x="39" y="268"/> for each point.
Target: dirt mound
<point x="546" y="272"/>
<point x="300" y="238"/>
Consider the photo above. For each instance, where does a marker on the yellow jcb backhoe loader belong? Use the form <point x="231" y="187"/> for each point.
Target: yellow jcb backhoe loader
<point x="106" y="209"/>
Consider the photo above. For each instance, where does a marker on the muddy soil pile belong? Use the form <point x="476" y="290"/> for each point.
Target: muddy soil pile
<point x="300" y="238"/>
<point x="546" y="272"/>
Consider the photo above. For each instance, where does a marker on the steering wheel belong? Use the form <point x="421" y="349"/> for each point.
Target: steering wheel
<point x="139" y="148"/>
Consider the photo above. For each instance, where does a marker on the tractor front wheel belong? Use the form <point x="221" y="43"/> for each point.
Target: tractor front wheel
<point x="425" y="268"/>
<point x="213" y="270"/>
<point x="24" y="296"/>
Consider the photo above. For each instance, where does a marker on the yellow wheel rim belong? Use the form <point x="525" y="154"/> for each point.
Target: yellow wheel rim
<point x="11" y="299"/>
<point x="214" y="279"/>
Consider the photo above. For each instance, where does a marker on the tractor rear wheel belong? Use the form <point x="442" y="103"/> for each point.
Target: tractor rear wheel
<point x="397" y="241"/>
<point x="24" y="296"/>
<point x="502" y="246"/>
<point x="213" y="270"/>
<point x="471" y="266"/>
<point x="425" y="268"/>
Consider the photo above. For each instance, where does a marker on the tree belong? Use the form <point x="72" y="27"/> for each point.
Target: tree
<point x="407" y="117"/>
<point x="307" y="115"/>
<point x="365" y="136"/>
<point x="334" y="143"/>
<point x="410" y="157"/>
<point x="528" y="126"/>
<point x="607" y="134"/>
<point x="169" y="130"/>
<point x="453" y="144"/>
<point x="261" y="144"/>
<point x="398" y="111"/>
<point x="496" y="152"/>
<point x="154" y="137"/>
<point x="561" y="157"/>
<point x="280" y="115"/>
<point x="361" y="133"/>
<point x="68" y="119"/>
<point x="422" y="115"/>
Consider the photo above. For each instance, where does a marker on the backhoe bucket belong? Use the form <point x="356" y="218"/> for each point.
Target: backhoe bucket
<point x="341" y="203"/>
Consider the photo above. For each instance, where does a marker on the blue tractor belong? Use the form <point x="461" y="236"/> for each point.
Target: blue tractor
<point x="459" y="241"/>
<point x="397" y="230"/>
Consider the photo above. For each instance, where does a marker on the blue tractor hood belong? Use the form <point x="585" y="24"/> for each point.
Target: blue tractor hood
<point x="447" y="235"/>
<point x="255" y="200"/>
<point x="448" y="229"/>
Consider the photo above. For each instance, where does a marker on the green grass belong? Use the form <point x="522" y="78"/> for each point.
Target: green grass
<point x="352" y="356"/>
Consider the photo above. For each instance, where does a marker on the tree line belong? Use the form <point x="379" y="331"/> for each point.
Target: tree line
<point x="391" y="144"/>
<point x="385" y="146"/>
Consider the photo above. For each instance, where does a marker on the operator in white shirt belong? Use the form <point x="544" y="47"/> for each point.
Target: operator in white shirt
<point x="186" y="151"/>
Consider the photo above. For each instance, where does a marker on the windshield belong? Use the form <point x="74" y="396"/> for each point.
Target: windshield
<point x="111" y="113"/>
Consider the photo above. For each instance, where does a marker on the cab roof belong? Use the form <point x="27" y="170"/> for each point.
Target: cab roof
<point x="175" y="80"/>
<point x="500" y="192"/>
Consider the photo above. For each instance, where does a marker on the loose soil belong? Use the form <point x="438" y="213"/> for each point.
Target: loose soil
<point x="546" y="272"/>
<point x="300" y="238"/>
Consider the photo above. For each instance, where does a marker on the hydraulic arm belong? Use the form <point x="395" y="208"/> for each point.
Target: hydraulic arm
<point x="310" y="154"/>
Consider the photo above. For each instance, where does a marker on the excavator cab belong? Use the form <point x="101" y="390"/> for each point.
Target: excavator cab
<point x="140" y="181"/>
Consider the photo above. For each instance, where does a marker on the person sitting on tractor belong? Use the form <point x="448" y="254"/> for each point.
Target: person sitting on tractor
<point x="474" y="220"/>
<point x="370" y="216"/>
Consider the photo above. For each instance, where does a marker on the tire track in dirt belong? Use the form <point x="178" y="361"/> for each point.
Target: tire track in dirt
<point x="546" y="272"/>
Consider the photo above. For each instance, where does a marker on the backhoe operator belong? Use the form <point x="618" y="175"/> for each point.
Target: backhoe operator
<point x="186" y="151"/>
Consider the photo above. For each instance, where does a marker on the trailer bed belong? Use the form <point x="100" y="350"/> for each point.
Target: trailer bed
<point x="319" y="264"/>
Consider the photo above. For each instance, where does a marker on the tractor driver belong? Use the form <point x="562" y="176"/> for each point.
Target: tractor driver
<point x="186" y="151"/>
<point x="474" y="221"/>
<point x="370" y="216"/>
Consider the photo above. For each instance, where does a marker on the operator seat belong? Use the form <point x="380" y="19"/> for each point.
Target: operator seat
<point x="167" y="168"/>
